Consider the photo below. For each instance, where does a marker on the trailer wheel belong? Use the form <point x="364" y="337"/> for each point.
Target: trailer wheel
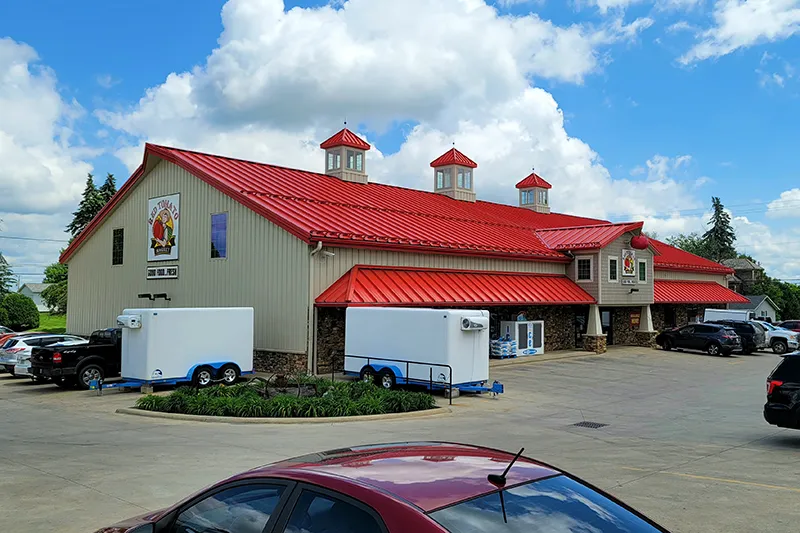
<point x="229" y="374"/>
<point x="386" y="379"/>
<point x="202" y="377"/>
<point x="368" y="374"/>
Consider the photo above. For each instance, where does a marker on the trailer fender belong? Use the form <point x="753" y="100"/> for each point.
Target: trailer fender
<point x="394" y="368"/>
<point x="215" y="365"/>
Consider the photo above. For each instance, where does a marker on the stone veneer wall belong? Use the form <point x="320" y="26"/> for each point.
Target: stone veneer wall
<point x="682" y="313"/>
<point x="330" y="339"/>
<point x="595" y="343"/>
<point x="279" y="362"/>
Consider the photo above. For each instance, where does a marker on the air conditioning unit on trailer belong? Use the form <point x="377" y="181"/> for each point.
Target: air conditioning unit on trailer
<point x="474" y="323"/>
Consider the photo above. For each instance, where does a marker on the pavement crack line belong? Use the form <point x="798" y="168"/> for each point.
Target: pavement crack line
<point x="701" y="458"/>
<point x="45" y="472"/>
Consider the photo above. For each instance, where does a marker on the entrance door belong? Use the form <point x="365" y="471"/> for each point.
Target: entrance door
<point x="607" y="322"/>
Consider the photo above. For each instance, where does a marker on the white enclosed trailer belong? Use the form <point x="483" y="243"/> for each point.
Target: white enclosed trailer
<point x="728" y="314"/>
<point x="201" y="344"/>
<point x="439" y="348"/>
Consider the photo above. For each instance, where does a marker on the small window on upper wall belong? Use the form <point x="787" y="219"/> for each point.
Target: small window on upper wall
<point x="334" y="160"/>
<point x="439" y="179"/>
<point x="355" y="160"/>
<point x="117" y="246"/>
<point x="448" y="178"/>
<point x="613" y="269"/>
<point x="359" y="161"/>
<point x="219" y="235"/>
<point x="460" y="178"/>
<point x="468" y="179"/>
<point x="643" y="271"/>
<point x="584" y="266"/>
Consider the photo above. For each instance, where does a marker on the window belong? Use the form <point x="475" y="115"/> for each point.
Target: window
<point x="543" y="197"/>
<point x="219" y="235"/>
<point x="467" y="179"/>
<point x="584" y="267"/>
<point x="553" y="504"/>
<point x="334" y="160"/>
<point x="460" y="178"/>
<point x="763" y="312"/>
<point x="439" y="179"/>
<point x="239" y="509"/>
<point x="355" y="160"/>
<point x="117" y="246"/>
<point x="448" y="178"/>
<point x="642" y="271"/>
<point x="613" y="269"/>
<point x="315" y="513"/>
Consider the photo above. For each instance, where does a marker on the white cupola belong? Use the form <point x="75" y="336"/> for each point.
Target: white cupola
<point x="453" y="175"/>
<point x="534" y="193"/>
<point x="345" y="156"/>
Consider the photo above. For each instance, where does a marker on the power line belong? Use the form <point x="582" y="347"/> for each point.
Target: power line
<point x="29" y="239"/>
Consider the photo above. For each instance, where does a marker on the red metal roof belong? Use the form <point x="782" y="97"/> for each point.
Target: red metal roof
<point x="453" y="157"/>
<point x="367" y="285"/>
<point x="671" y="291"/>
<point x="316" y="207"/>
<point x="672" y="258"/>
<point x="345" y="137"/>
<point x="585" y="237"/>
<point x="533" y="180"/>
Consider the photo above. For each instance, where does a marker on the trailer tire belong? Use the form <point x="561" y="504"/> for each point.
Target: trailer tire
<point x="368" y="374"/>
<point x="386" y="379"/>
<point x="203" y="376"/>
<point x="229" y="374"/>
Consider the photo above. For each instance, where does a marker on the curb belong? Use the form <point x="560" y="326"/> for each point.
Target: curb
<point x="436" y="411"/>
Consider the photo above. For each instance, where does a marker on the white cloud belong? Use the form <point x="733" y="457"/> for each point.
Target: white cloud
<point x="778" y="251"/>
<point x="786" y="206"/>
<point x="744" y="23"/>
<point x="43" y="171"/>
<point x="679" y="26"/>
<point x="106" y="81"/>
<point x="604" y="6"/>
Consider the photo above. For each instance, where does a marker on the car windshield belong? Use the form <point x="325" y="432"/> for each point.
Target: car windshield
<point x="554" y="504"/>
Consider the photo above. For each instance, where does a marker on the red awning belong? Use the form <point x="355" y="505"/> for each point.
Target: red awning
<point x="370" y="285"/>
<point x="671" y="291"/>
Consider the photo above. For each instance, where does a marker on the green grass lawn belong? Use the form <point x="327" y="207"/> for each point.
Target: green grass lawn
<point x="52" y="323"/>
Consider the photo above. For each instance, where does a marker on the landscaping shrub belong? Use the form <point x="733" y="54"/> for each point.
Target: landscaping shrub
<point x="342" y="398"/>
<point x="3" y="317"/>
<point x="22" y="312"/>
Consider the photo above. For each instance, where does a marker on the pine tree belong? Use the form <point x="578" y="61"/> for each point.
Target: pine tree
<point x="108" y="188"/>
<point x="7" y="278"/>
<point x="720" y="237"/>
<point x="91" y="204"/>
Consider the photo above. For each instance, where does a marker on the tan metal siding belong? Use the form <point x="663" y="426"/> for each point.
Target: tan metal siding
<point x="617" y="293"/>
<point x="694" y="276"/>
<point x="592" y="287"/>
<point x="266" y="267"/>
<point x="328" y="269"/>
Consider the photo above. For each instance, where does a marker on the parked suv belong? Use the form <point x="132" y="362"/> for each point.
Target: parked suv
<point x="781" y="340"/>
<point x="783" y="393"/>
<point x="752" y="335"/>
<point x="714" y="339"/>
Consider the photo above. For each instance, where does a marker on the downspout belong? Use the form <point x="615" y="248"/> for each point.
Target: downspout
<point x="311" y="329"/>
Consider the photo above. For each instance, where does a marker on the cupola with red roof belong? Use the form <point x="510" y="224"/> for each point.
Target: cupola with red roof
<point x="345" y="156"/>
<point x="534" y="193"/>
<point x="453" y="175"/>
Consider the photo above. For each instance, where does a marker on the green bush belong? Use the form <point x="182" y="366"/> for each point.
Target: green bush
<point x="342" y="398"/>
<point x="3" y="317"/>
<point x="22" y="312"/>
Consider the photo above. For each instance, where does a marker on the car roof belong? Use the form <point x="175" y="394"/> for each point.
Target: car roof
<point x="429" y="475"/>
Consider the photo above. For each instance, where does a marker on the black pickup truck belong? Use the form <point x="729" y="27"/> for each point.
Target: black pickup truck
<point x="78" y="365"/>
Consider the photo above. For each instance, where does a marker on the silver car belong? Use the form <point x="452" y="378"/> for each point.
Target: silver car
<point x="22" y="368"/>
<point x="18" y="348"/>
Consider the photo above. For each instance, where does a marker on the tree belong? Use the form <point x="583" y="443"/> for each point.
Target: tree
<point x="7" y="278"/>
<point x="720" y="237"/>
<point x="55" y="297"/>
<point x="22" y="312"/>
<point x="692" y="243"/>
<point x="91" y="204"/>
<point x="108" y="188"/>
<point x="55" y="273"/>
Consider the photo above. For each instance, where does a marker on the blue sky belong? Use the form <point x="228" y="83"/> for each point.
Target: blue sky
<point x="641" y="85"/>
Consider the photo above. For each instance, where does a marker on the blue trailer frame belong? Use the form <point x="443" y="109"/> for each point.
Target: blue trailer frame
<point x="430" y="384"/>
<point x="138" y="383"/>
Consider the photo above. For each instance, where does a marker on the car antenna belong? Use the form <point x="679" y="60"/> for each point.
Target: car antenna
<point x="500" y="482"/>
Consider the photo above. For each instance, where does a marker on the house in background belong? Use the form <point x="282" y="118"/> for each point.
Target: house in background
<point x="762" y="307"/>
<point x="746" y="274"/>
<point x="34" y="292"/>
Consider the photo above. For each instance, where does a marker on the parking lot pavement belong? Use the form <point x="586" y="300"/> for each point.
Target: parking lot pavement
<point x="685" y="443"/>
